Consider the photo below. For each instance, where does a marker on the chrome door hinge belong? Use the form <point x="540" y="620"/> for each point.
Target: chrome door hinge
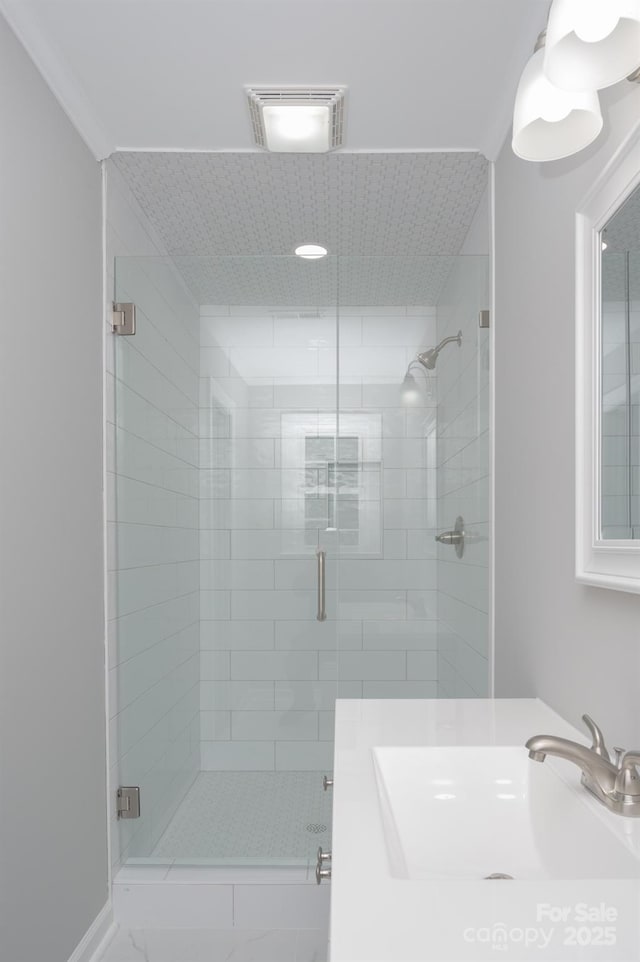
<point x="128" y="805"/>
<point x="123" y="318"/>
<point x="322" y="873"/>
<point x="484" y="318"/>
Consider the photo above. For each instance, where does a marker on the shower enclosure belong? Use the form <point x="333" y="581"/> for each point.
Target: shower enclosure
<point x="274" y="497"/>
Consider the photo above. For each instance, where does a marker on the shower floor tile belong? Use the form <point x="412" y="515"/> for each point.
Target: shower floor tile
<point x="250" y="816"/>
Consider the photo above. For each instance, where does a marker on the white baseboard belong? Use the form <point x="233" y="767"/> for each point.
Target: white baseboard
<point x="97" y="936"/>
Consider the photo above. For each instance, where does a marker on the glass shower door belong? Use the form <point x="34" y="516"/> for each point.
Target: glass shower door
<point x="225" y="453"/>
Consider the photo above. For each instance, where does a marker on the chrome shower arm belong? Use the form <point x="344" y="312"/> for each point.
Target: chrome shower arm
<point x="449" y="340"/>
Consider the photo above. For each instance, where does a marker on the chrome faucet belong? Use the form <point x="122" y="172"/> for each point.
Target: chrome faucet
<point x="614" y="783"/>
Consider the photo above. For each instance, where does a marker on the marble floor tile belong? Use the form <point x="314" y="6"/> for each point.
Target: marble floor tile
<point x="312" y="945"/>
<point x="217" y="945"/>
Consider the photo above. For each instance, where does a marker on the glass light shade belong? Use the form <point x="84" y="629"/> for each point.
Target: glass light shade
<point x="592" y="44"/>
<point x="299" y="128"/>
<point x="409" y="391"/>
<point x="549" y="123"/>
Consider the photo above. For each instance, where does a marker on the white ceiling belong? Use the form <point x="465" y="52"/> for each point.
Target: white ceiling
<point x="169" y="74"/>
<point x="396" y="220"/>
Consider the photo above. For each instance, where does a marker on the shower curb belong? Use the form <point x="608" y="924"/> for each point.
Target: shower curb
<point x="243" y="898"/>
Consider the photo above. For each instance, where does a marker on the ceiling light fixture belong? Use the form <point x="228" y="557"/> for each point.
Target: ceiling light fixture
<point x="297" y="119"/>
<point x="311" y="252"/>
<point x="549" y="123"/>
<point x="592" y="44"/>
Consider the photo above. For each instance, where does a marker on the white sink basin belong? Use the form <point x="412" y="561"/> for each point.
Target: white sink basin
<point x="471" y="812"/>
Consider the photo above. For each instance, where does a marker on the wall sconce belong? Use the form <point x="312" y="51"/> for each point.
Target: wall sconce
<point x="549" y="123"/>
<point x="588" y="44"/>
<point x="592" y="44"/>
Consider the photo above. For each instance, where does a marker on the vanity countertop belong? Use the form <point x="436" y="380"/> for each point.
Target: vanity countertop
<point x="378" y="918"/>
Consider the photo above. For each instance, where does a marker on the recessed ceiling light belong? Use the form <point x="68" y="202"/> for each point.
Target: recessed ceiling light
<point x="311" y="252"/>
<point x="297" y="119"/>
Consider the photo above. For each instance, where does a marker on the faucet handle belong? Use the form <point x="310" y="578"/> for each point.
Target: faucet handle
<point x="618" y="754"/>
<point x="628" y="780"/>
<point x="598" y="745"/>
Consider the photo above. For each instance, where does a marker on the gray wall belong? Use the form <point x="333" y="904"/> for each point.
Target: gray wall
<point x="575" y="646"/>
<point x="53" y="855"/>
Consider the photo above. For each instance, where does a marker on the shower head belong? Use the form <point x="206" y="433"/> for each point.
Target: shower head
<point x="429" y="358"/>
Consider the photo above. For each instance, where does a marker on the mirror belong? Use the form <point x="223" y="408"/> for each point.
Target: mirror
<point x="608" y="376"/>
<point x="620" y="374"/>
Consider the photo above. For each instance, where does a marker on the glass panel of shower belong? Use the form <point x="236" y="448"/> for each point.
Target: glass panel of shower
<point x="413" y="390"/>
<point x="281" y="462"/>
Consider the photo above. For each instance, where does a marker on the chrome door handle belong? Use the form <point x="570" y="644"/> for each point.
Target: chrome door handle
<point x="322" y="600"/>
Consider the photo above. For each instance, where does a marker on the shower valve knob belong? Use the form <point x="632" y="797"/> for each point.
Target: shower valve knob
<point x="327" y="782"/>
<point x="449" y="537"/>
<point x="323" y="856"/>
<point x="455" y="537"/>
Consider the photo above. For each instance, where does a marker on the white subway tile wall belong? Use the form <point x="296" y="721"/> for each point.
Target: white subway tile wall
<point x="152" y="408"/>
<point x="279" y="468"/>
<point x="463" y="485"/>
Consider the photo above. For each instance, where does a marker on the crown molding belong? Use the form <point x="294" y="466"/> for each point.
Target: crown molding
<point x="60" y="80"/>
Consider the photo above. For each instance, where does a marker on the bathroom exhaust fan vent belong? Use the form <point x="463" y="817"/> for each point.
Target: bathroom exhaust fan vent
<point x="328" y="98"/>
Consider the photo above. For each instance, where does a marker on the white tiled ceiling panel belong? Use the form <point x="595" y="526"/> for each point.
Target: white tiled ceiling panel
<point x="394" y="220"/>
